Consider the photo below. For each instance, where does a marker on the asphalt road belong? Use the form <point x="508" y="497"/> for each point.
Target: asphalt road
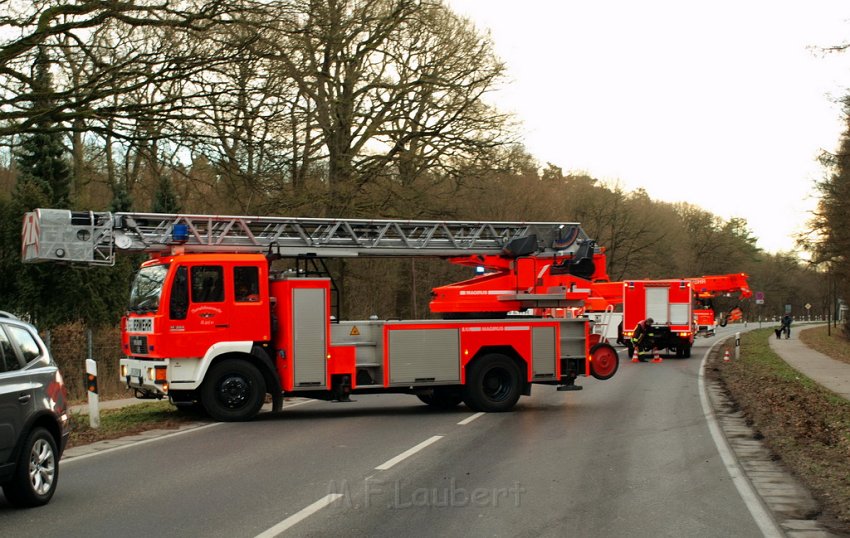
<point x="631" y="456"/>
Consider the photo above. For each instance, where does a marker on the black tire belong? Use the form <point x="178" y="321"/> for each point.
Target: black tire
<point x="493" y="384"/>
<point x="36" y="473"/>
<point x="686" y="352"/>
<point x="233" y="391"/>
<point x="722" y="323"/>
<point x="442" y="398"/>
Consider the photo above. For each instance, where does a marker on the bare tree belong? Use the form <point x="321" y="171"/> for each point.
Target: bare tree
<point x="88" y="32"/>
<point x="391" y="82"/>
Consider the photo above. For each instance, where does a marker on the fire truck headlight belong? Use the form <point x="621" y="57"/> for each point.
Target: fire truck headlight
<point x="151" y="374"/>
<point x="123" y="370"/>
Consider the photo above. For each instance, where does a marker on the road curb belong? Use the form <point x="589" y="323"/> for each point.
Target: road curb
<point x="127" y="440"/>
<point x="792" y="505"/>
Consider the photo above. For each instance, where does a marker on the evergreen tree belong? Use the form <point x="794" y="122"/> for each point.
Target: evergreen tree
<point x="41" y="158"/>
<point x="49" y="294"/>
<point x="121" y="199"/>
<point x="165" y="199"/>
<point x="831" y="221"/>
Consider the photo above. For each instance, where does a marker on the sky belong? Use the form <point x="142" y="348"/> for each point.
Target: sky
<point x="722" y="104"/>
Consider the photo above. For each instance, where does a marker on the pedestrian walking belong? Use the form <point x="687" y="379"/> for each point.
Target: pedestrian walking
<point x="786" y="325"/>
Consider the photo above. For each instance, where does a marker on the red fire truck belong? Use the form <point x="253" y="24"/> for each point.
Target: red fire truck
<point x="707" y="288"/>
<point x="670" y="304"/>
<point x="213" y="322"/>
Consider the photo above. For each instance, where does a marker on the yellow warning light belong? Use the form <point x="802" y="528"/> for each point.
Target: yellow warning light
<point x="466" y="352"/>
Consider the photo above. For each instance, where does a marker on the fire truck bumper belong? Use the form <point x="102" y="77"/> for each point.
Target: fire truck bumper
<point x="148" y="378"/>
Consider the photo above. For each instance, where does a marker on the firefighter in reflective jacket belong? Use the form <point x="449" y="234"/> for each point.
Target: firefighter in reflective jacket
<point x="640" y="338"/>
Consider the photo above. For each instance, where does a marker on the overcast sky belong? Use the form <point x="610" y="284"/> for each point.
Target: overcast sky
<point x="724" y="104"/>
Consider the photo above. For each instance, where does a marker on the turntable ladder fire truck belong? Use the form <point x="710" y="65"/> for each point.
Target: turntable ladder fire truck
<point x="211" y="323"/>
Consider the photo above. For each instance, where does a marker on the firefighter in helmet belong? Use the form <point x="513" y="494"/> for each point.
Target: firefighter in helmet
<point x="640" y="336"/>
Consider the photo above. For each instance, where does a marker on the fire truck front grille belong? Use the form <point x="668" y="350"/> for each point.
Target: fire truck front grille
<point x="139" y="345"/>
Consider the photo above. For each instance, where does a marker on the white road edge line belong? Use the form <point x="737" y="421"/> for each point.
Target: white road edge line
<point x="763" y="518"/>
<point x="151" y="440"/>
<point x="467" y="420"/>
<point x="407" y="453"/>
<point x="300" y="516"/>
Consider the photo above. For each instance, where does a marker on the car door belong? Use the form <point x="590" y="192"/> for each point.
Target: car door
<point x="40" y="371"/>
<point x="16" y="396"/>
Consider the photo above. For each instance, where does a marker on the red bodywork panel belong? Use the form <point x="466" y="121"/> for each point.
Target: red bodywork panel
<point x="711" y="286"/>
<point x="518" y="284"/>
<point x="284" y="339"/>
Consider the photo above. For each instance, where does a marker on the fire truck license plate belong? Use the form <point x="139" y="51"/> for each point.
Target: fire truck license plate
<point x="135" y="372"/>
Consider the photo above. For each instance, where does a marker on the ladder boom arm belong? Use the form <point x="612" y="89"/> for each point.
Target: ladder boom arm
<point x="95" y="237"/>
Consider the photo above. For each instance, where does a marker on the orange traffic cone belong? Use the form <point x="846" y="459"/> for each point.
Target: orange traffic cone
<point x="635" y="356"/>
<point x="656" y="357"/>
<point x="726" y="357"/>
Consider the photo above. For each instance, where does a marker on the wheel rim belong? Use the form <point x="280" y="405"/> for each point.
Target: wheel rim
<point x="498" y="384"/>
<point x="233" y="391"/>
<point x="42" y="467"/>
<point x="605" y="362"/>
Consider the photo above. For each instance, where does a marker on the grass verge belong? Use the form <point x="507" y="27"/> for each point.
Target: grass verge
<point x="803" y="424"/>
<point x="115" y="423"/>
<point x="834" y="344"/>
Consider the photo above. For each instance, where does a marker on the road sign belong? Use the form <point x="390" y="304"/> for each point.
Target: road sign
<point x="808" y="306"/>
<point x="759" y="295"/>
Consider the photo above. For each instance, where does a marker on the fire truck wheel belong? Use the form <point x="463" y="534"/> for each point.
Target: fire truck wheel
<point x="233" y="391"/>
<point x="686" y="352"/>
<point x="493" y="384"/>
<point x="442" y="398"/>
<point x="605" y="361"/>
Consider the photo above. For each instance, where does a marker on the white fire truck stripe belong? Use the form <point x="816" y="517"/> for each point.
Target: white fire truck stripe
<point x="467" y="420"/>
<point x="407" y="453"/>
<point x="300" y="516"/>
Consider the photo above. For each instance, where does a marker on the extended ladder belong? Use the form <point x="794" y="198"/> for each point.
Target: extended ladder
<point x="95" y="237"/>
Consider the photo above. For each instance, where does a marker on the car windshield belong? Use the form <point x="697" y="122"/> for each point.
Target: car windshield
<point x="147" y="289"/>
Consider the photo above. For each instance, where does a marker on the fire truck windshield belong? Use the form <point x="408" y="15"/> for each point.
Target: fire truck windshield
<point x="147" y="289"/>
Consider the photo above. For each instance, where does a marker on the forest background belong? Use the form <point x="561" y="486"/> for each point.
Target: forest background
<point x="339" y="108"/>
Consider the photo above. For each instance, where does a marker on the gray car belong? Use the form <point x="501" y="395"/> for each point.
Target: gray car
<point x="33" y="415"/>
